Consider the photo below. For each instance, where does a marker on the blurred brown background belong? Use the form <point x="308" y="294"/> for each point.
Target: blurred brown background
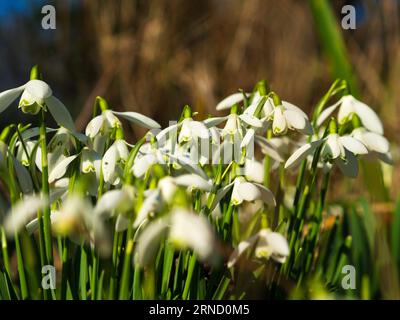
<point x="155" y="56"/>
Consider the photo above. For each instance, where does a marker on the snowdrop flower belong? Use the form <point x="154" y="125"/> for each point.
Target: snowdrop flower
<point x="192" y="130"/>
<point x="247" y="191"/>
<point x="284" y="116"/>
<point x="288" y="116"/>
<point x="183" y="229"/>
<point x="77" y="220"/>
<point x="377" y="145"/>
<point x="116" y="202"/>
<point x="37" y="95"/>
<point x="349" y="105"/>
<point x="148" y="156"/>
<point x="253" y="170"/>
<point x="23" y="211"/>
<point x="229" y="101"/>
<point x="90" y="161"/>
<point x="165" y="191"/>
<point x="338" y="149"/>
<point x="113" y="160"/>
<point x="108" y="120"/>
<point x="23" y="154"/>
<point x="266" y="245"/>
<point x="102" y="124"/>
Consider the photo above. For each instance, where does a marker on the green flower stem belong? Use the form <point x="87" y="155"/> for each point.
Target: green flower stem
<point x="191" y="267"/>
<point x="45" y="192"/>
<point x="114" y="270"/>
<point x="4" y="251"/>
<point x="20" y="261"/>
<point x="124" y="288"/>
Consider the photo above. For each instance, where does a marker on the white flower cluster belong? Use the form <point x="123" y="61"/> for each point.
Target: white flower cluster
<point x="213" y="162"/>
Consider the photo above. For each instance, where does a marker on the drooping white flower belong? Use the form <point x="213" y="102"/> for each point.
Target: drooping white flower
<point x="288" y="116"/>
<point x="285" y="116"/>
<point x="349" y="105"/>
<point x="165" y="191"/>
<point x="22" y="212"/>
<point x="192" y="130"/>
<point x="108" y="120"/>
<point x="190" y="230"/>
<point x="90" y="161"/>
<point x="183" y="229"/>
<point x="230" y="100"/>
<point x="77" y="220"/>
<point x="102" y="124"/>
<point x="244" y="191"/>
<point x="148" y="156"/>
<point x="377" y="145"/>
<point x="338" y="149"/>
<point x="37" y="95"/>
<point x="247" y="191"/>
<point x="113" y="160"/>
<point x="266" y="245"/>
<point x="116" y="202"/>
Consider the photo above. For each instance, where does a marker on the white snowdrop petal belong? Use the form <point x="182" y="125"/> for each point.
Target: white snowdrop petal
<point x="254" y="170"/>
<point x="229" y="101"/>
<point x="266" y="195"/>
<point x="353" y="145"/>
<point x="376" y="142"/>
<point x="109" y="163"/>
<point x="278" y="243"/>
<point x="248" y="138"/>
<point x="327" y="112"/>
<point x="301" y="153"/>
<point x="248" y="191"/>
<point x="199" y="129"/>
<point x="121" y="224"/>
<point x="332" y="146"/>
<point x="167" y="133"/>
<point x="295" y="119"/>
<point x="268" y="107"/>
<point x="23" y="211"/>
<point x="59" y="170"/>
<point x="346" y="108"/>
<point x="139" y="118"/>
<point x="148" y="242"/>
<point x="279" y="125"/>
<point x="60" y="113"/>
<point x="192" y="231"/>
<point x="368" y="117"/>
<point x="38" y="88"/>
<point x="291" y="107"/>
<point x="149" y="205"/>
<point x="109" y="201"/>
<point x="34" y="132"/>
<point x="251" y="121"/>
<point x="24" y="178"/>
<point x="143" y="164"/>
<point x="212" y="122"/>
<point x="122" y="148"/>
<point x="193" y="181"/>
<point x="94" y="126"/>
<point x="220" y="194"/>
<point x="8" y="96"/>
<point x="241" y="248"/>
<point x="268" y="148"/>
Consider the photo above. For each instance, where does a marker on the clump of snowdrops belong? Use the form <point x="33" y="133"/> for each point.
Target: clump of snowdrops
<point x="224" y="207"/>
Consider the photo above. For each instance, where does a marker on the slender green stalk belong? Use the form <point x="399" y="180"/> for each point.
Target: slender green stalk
<point x="45" y="192"/>
<point x="4" y="251"/>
